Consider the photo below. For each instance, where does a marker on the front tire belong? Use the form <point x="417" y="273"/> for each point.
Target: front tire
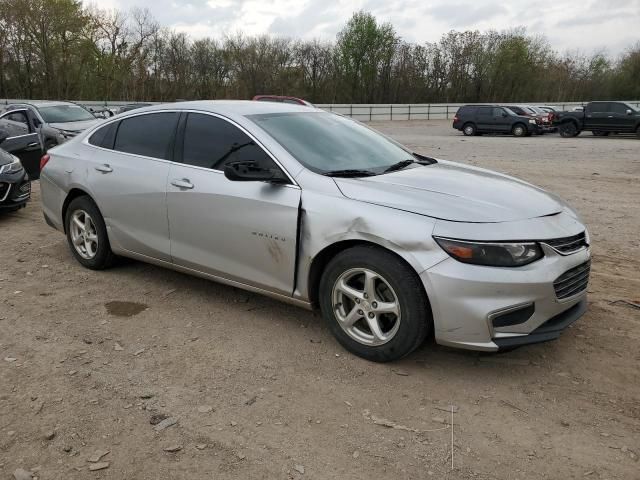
<point x="87" y="234"/>
<point x="569" y="130"/>
<point x="374" y="304"/>
<point x="519" y="130"/>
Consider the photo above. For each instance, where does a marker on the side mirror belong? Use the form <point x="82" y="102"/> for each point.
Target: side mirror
<point x="251" y="171"/>
<point x="629" y="111"/>
<point x="3" y="135"/>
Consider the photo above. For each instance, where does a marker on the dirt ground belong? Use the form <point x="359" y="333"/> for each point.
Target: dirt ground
<point x="259" y="389"/>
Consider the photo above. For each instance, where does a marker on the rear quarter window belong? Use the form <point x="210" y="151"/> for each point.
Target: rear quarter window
<point x="466" y="110"/>
<point x="104" y="136"/>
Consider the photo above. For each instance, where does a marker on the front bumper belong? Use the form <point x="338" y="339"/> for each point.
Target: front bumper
<point x="14" y="192"/>
<point x="465" y="300"/>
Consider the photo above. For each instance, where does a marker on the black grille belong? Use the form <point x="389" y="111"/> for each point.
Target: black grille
<point x="568" y="244"/>
<point x="3" y="189"/>
<point x="572" y="281"/>
<point x="25" y="188"/>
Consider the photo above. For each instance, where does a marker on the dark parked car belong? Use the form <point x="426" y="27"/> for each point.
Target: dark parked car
<point x="477" y="119"/>
<point x="22" y="139"/>
<point x="56" y="122"/>
<point x="282" y="99"/>
<point x="601" y="118"/>
<point x="15" y="188"/>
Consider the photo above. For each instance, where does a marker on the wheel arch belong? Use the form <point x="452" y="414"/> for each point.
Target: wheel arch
<point x="324" y="256"/>
<point x="73" y="194"/>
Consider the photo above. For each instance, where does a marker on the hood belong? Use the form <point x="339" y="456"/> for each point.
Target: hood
<point x="451" y="191"/>
<point x="76" y="126"/>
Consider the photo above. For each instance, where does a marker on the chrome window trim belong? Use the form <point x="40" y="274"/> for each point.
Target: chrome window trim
<point x="89" y="133"/>
<point x="20" y="136"/>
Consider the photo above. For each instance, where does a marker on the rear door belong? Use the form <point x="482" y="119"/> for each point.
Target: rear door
<point x="597" y="116"/>
<point x="127" y="173"/>
<point x="23" y="141"/>
<point x="241" y="231"/>
<point x="484" y="118"/>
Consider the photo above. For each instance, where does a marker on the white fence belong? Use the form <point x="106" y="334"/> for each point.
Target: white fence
<point x="372" y="112"/>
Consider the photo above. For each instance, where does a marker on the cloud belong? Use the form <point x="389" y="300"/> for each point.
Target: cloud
<point x="588" y="25"/>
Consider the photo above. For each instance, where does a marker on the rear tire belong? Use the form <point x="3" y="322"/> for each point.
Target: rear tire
<point x="519" y="130"/>
<point x="351" y="305"/>
<point x="569" y="130"/>
<point x="469" y="129"/>
<point x="89" y="244"/>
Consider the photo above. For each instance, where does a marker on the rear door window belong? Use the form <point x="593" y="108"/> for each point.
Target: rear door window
<point x="150" y="135"/>
<point x="485" y="111"/>
<point x="598" y="107"/>
<point x="211" y="142"/>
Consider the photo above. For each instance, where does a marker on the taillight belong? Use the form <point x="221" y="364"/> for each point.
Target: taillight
<point x="455" y="119"/>
<point x="44" y="160"/>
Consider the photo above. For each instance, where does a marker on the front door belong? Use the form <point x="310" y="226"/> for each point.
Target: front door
<point x="23" y="141"/>
<point x="621" y="120"/>
<point x="501" y="120"/>
<point x="241" y="231"/>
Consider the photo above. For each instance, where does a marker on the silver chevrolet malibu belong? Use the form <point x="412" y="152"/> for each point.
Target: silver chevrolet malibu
<point x="321" y="211"/>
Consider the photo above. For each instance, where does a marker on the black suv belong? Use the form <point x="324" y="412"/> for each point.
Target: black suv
<point x="476" y="119"/>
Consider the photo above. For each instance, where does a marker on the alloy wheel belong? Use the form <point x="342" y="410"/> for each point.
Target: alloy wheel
<point x="84" y="234"/>
<point x="366" y="307"/>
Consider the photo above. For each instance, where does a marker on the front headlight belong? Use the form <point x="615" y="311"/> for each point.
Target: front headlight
<point x="492" y="254"/>
<point x="13" y="167"/>
<point x="67" y="134"/>
<point x="532" y="120"/>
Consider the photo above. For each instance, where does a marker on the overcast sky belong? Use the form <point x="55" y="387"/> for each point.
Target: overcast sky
<point x="585" y="25"/>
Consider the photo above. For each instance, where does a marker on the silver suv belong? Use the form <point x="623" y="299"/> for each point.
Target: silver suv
<point x="55" y="122"/>
<point x="321" y="211"/>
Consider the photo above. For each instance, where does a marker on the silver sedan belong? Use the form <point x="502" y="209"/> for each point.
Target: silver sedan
<point x="321" y="211"/>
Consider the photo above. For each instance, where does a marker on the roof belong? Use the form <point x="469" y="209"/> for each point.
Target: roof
<point x="232" y="107"/>
<point x="42" y="103"/>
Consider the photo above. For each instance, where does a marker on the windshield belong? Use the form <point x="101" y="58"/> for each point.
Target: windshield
<point x="509" y="111"/>
<point x="65" y="113"/>
<point x="635" y="109"/>
<point x="324" y="142"/>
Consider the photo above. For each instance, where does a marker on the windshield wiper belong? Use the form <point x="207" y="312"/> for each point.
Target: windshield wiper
<point x="349" y="172"/>
<point x="399" y="165"/>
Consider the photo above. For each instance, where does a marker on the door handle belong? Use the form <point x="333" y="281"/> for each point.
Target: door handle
<point x="104" y="168"/>
<point x="183" y="183"/>
<point x="33" y="144"/>
<point x="609" y="116"/>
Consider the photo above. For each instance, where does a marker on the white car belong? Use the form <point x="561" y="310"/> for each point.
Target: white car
<point x="321" y="211"/>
